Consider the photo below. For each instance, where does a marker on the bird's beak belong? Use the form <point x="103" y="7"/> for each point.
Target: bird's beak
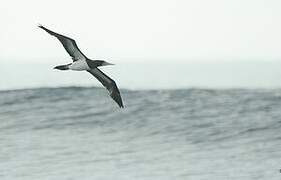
<point x="106" y="63"/>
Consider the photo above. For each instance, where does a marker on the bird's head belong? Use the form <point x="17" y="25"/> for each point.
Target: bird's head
<point x="102" y="63"/>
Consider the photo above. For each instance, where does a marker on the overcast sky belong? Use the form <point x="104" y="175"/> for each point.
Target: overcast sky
<point x="144" y="30"/>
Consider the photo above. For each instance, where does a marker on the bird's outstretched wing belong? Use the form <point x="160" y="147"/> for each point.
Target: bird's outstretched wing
<point x="109" y="84"/>
<point x="69" y="45"/>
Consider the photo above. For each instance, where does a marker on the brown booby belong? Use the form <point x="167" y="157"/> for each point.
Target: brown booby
<point x="82" y="63"/>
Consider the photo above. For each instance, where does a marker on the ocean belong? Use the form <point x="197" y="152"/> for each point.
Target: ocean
<point x="73" y="133"/>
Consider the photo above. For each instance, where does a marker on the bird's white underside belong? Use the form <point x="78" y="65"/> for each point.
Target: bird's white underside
<point x="80" y="65"/>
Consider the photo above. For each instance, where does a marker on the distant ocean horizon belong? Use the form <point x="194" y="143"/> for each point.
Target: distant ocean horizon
<point x="147" y="75"/>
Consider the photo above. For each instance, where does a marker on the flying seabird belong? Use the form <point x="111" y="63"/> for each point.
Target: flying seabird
<point x="82" y="63"/>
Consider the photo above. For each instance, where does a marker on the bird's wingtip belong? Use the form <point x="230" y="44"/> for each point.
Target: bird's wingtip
<point x="121" y="105"/>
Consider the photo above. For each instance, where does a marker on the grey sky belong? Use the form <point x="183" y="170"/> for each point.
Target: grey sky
<point x="242" y="36"/>
<point x="147" y="30"/>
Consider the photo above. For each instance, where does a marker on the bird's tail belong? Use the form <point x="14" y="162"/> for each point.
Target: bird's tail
<point x="62" y="67"/>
